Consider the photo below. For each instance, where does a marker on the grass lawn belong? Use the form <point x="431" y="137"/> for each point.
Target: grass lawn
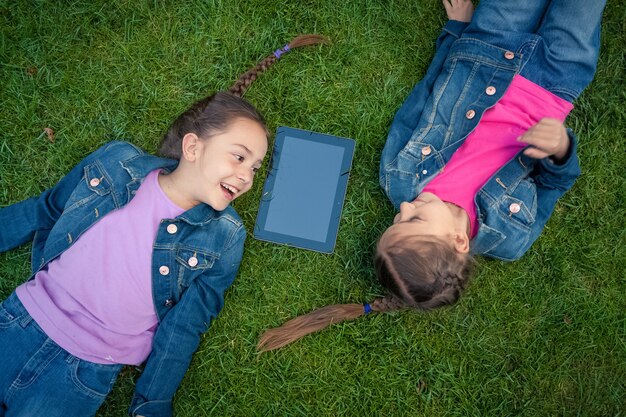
<point x="544" y="336"/>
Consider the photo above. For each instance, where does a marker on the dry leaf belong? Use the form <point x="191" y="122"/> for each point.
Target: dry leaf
<point x="567" y="319"/>
<point x="49" y="133"/>
<point x="31" y="70"/>
<point x="421" y="386"/>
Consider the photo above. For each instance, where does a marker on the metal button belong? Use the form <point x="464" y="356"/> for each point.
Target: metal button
<point x="509" y="55"/>
<point x="164" y="270"/>
<point x="193" y="261"/>
<point x="94" y="182"/>
<point x="424" y="172"/>
<point x="470" y="114"/>
<point x="426" y="150"/>
<point x="514" y="208"/>
<point x="491" y="90"/>
<point x="172" y="228"/>
<point x="168" y="303"/>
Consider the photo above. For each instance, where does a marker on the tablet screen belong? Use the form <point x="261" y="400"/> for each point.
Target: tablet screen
<point x="305" y="188"/>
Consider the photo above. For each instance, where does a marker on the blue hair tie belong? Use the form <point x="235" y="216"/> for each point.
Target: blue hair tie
<point x="280" y="51"/>
<point x="367" y="308"/>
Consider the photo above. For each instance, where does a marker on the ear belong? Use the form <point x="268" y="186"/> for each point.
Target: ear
<point x="461" y="242"/>
<point x="192" y="145"/>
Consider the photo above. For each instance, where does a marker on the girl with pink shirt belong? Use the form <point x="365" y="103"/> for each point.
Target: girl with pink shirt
<point x="478" y="155"/>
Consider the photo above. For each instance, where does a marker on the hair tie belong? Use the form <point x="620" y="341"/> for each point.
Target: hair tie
<point x="280" y="51"/>
<point x="367" y="308"/>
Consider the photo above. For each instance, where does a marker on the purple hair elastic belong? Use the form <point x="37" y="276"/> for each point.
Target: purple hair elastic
<point x="280" y="51"/>
<point x="367" y="308"/>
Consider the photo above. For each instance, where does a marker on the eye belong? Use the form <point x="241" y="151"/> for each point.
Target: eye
<point x="255" y="169"/>
<point x="238" y="157"/>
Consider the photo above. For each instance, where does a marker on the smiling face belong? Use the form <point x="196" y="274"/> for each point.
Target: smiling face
<point x="426" y="216"/>
<point x="220" y="168"/>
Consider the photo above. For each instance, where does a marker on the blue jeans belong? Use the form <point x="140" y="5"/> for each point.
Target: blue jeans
<point x="565" y="62"/>
<point x="38" y="378"/>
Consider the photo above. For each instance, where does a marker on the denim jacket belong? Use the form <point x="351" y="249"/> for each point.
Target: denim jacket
<point x="443" y="109"/>
<point x="187" y="295"/>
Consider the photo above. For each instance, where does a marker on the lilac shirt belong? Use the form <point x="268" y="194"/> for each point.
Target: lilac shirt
<point x="95" y="299"/>
<point x="494" y="143"/>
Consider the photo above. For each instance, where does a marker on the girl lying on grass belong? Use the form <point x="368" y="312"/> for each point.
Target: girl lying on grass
<point x="477" y="156"/>
<point x="131" y="257"/>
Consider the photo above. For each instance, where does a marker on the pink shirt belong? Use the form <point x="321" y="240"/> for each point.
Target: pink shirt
<point x="494" y="143"/>
<point x="95" y="299"/>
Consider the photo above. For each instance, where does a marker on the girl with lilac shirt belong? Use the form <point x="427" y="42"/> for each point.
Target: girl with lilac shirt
<point x="131" y="257"/>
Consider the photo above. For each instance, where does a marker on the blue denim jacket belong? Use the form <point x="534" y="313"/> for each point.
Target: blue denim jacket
<point x="443" y="109"/>
<point x="186" y="297"/>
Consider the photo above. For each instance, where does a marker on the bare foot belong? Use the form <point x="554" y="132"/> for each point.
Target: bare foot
<point x="461" y="10"/>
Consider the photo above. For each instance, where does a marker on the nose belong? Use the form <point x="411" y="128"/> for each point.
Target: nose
<point x="405" y="209"/>
<point x="245" y="176"/>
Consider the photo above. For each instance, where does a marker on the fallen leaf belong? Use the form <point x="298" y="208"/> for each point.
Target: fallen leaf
<point x="49" y="133"/>
<point x="567" y="319"/>
<point x="421" y="386"/>
<point x="31" y="70"/>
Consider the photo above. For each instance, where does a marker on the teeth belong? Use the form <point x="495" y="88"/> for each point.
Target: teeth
<point x="230" y="188"/>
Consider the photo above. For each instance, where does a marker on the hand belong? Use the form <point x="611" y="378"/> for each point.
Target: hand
<point x="546" y="138"/>
<point x="461" y="10"/>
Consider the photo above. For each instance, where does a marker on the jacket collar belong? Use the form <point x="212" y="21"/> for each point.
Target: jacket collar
<point x="141" y="165"/>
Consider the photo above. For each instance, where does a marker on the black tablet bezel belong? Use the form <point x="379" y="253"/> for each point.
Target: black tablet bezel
<point x="328" y="245"/>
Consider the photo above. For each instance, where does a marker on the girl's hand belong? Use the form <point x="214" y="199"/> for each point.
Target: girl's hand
<point x="548" y="138"/>
<point x="461" y="10"/>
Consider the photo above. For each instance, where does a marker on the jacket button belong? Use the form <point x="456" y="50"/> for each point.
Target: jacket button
<point x="172" y="228"/>
<point x="491" y="90"/>
<point x="509" y="55"/>
<point x="426" y="150"/>
<point x="94" y="182"/>
<point x="470" y="114"/>
<point x="164" y="270"/>
<point x="168" y="303"/>
<point x="424" y="172"/>
<point x="193" y="261"/>
<point x="514" y="208"/>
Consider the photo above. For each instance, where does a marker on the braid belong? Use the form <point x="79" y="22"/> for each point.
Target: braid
<point x="244" y="81"/>
<point x="241" y="85"/>
<point x="323" y="317"/>
<point x="388" y="303"/>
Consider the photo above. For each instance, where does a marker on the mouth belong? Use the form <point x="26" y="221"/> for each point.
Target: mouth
<point x="229" y="191"/>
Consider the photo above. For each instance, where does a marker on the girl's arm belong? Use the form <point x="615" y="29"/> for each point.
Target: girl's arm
<point x="178" y="334"/>
<point x="555" y="172"/>
<point x="40" y="213"/>
<point x="408" y="116"/>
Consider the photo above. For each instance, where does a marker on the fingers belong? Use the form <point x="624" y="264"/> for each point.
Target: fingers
<point x="546" y="138"/>
<point x="535" y="153"/>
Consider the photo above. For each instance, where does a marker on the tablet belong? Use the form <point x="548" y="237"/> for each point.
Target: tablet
<point x="304" y="190"/>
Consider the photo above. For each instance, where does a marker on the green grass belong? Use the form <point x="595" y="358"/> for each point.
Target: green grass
<point x="544" y="336"/>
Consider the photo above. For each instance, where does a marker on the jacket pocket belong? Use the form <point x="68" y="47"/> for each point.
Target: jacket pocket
<point x="94" y="184"/>
<point x="191" y="263"/>
<point x="519" y="203"/>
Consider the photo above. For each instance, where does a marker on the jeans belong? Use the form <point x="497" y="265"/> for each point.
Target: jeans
<point x="39" y="378"/>
<point x="565" y="61"/>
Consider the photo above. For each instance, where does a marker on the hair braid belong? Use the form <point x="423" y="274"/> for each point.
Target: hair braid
<point x="241" y="85"/>
<point x="388" y="303"/>
<point x="323" y="317"/>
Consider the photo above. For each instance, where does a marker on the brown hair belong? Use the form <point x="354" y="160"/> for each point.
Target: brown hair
<point x="213" y="114"/>
<point x="420" y="273"/>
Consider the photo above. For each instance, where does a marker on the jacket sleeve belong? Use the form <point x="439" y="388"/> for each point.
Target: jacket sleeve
<point x="39" y="214"/>
<point x="552" y="181"/>
<point x="408" y="116"/>
<point x="178" y="334"/>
